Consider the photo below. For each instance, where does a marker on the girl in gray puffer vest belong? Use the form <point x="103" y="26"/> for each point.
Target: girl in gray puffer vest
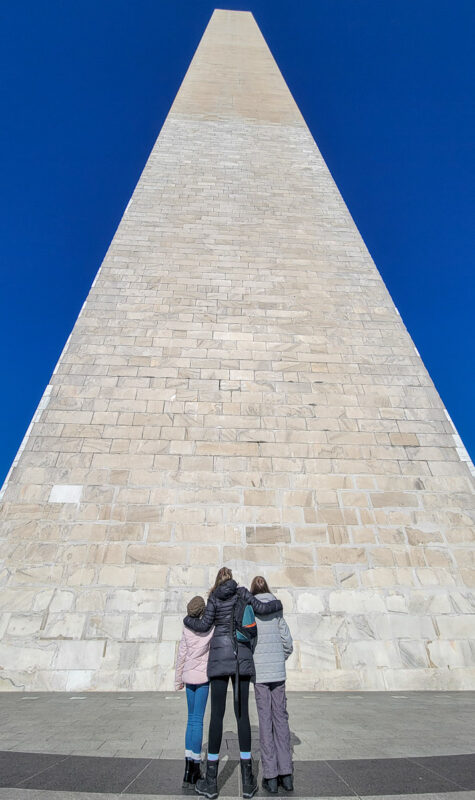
<point x="274" y="646"/>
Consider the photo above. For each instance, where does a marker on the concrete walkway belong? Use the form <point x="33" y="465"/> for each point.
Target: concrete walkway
<point x="105" y="746"/>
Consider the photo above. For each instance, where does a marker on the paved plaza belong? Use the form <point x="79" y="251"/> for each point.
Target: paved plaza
<point x="102" y="746"/>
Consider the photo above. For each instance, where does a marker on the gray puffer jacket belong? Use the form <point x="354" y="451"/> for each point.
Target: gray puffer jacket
<point x="274" y="644"/>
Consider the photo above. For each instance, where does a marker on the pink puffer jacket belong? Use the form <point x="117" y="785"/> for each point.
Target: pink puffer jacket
<point x="192" y="657"/>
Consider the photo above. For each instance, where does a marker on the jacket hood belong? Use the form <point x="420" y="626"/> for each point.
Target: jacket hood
<point x="226" y="590"/>
<point x="265" y="597"/>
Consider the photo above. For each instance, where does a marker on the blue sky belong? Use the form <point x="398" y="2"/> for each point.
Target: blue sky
<point x="386" y="88"/>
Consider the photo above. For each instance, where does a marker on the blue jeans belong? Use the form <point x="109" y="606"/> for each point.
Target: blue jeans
<point x="196" y="698"/>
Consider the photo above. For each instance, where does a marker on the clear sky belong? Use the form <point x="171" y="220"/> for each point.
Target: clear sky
<point x="387" y="89"/>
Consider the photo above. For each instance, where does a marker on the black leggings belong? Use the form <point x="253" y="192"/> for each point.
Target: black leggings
<point x="219" y="687"/>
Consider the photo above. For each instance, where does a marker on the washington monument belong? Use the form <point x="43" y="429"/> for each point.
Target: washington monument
<point x="238" y="389"/>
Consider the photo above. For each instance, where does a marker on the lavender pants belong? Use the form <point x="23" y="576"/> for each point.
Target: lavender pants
<point x="274" y="732"/>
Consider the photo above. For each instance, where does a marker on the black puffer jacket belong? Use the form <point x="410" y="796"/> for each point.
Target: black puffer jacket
<point x="219" y="612"/>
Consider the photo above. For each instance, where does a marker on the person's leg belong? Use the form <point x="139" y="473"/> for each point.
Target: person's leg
<point x="196" y="720"/>
<point x="190" y="700"/>
<point x="266" y="738"/>
<point x="241" y="711"/>
<point x="280" y="724"/>
<point x="208" y="786"/>
<point x="219" y="687"/>
<point x="188" y="777"/>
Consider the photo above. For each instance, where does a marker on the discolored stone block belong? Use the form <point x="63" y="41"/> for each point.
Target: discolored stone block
<point x="267" y="534"/>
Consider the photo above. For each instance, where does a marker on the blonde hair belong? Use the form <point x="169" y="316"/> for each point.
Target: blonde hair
<point x="224" y="574"/>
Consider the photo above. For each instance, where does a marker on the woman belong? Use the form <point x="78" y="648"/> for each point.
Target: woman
<point x="274" y="646"/>
<point x="228" y="658"/>
<point x="191" y="669"/>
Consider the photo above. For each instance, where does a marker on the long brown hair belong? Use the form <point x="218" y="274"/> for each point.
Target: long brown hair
<point x="224" y="574"/>
<point x="259" y="585"/>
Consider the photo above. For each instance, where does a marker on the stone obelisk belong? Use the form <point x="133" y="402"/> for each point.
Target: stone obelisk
<point x="238" y="389"/>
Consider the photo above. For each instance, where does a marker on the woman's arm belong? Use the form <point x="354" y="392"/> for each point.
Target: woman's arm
<point x="260" y="608"/>
<point x="286" y="637"/>
<point x="206" y="622"/>
<point x="180" y="661"/>
<point x="204" y="642"/>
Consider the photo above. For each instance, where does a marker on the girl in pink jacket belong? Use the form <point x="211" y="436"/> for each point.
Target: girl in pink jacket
<point x="191" y="671"/>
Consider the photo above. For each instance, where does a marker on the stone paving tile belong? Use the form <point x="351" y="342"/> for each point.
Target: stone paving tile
<point x="40" y="794"/>
<point x="423" y="796"/>
<point x="89" y="773"/>
<point x="459" y="768"/>
<point x="400" y="776"/>
<point x="17" y="767"/>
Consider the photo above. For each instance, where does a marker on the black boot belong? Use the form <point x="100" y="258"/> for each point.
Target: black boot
<point x="188" y="772"/>
<point x="287" y="782"/>
<point x="249" y="783"/>
<point x="195" y="771"/>
<point x="208" y="786"/>
<point x="270" y="785"/>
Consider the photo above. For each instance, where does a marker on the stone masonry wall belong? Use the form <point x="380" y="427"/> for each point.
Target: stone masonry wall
<point x="238" y="389"/>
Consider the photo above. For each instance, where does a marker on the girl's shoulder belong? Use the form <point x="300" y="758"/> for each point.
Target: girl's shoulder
<point x="193" y="635"/>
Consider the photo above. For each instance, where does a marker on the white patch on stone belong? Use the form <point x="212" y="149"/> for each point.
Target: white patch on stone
<point x="356" y="601"/>
<point x="396" y="603"/>
<point x="65" y="493"/>
<point x="308" y="603"/>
